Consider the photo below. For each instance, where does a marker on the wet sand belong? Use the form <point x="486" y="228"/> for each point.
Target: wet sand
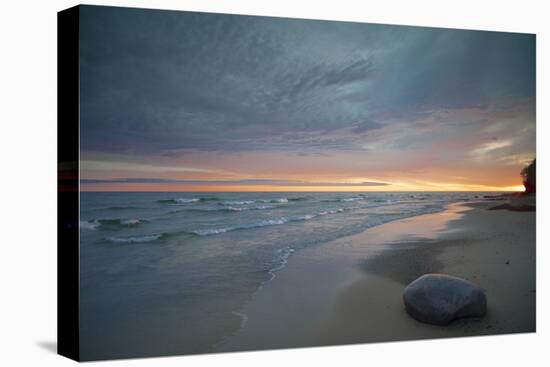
<point x="350" y="290"/>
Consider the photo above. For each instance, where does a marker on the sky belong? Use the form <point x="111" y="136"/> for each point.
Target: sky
<point x="183" y="101"/>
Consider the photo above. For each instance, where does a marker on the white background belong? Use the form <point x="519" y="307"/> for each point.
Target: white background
<point x="28" y="183"/>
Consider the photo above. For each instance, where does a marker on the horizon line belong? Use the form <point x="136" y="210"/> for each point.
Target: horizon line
<point x="288" y="191"/>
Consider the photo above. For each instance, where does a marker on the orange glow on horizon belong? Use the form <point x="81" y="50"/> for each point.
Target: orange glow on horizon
<point x="450" y="187"/>
<point x="274" y="171"/>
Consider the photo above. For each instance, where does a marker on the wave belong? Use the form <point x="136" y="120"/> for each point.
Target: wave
<point x="280" y="200"/>
<point x="131" y="222"/>
<point x="262" y="207"/>
<point x="229" y="209"/>
<point x="89" y="225"/>
<point x="327" y="212"/>
<point x="244" y="208"/>
<point x="248" y="202"/>
<point x="121" y="207"/>
<point x="282" y="256"/>
<point x="243" y="317"/>
<point x="355" y="198"/>
<point x="180" y="201"/>
<point x="137" y="239"/>
<point x="300" y="198"/>
<point x="210" y="198"/>
<point x="343" y="200"/>
<point x="264" y="223"/>
<point x="95" y="223"/>
<point x="237" y="202"/>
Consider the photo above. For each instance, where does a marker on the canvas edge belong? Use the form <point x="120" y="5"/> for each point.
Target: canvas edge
<point x="68" y="244"/>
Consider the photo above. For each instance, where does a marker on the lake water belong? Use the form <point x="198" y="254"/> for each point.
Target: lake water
<point x="169" y="273"/>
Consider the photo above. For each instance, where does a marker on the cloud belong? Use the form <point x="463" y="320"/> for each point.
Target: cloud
<point x="92" y="165"/>
<point x="365" y="126"/>
<point x="158" y="80"/>
<point x="247" y="182"/>
<point x="491" y="147"/>
<point x="163" y="84"/>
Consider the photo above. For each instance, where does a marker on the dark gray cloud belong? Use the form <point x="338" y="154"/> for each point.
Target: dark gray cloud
<point x="224" y="182"/>
<point x="161" y="82"/>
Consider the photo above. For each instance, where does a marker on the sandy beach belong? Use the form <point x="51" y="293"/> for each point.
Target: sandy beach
<point x="350" y="290"/>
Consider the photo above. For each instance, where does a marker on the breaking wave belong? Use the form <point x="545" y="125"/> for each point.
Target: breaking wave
<point x="180" y="201"/>
<point x="237" y="202"/>
<point x="229" y="209"/>
<point x="95" y="223"/>
<point x="344" y="200"/>
<point x="131" y="222"/>
<point x="121" y="207"/>
<point x="136" y="239"/>
<point x="272" y="201"/>
<point x="89" y="225"/>
<point x="264" y="223"/>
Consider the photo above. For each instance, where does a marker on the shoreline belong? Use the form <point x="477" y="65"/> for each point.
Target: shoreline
<point x="350" y="290"/>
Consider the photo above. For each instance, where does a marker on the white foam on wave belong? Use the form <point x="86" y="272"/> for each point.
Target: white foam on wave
<point x="354" y="198"/>
<point x="283" y="256"/>
<point x="208" y="232"/>
<point x="186" y="200"/>
<point x="94" y="224"/>
<point x="237" y="209"/>
<point x="136" y="239"/>
<point x="182" y="201"/>
<point x="243" y="317"/>
<point x="237" y="202"/>
<point x="327" y="212"/>
<point x="279" y="200"/>
<point x="89" y="225"/>
<point x="263" y="223"/>
<point x="244" y="208"/>
<point x="248" y="202"/>
<point x="282" y="200"/>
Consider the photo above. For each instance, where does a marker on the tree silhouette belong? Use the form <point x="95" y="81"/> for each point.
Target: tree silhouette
<point x="529" y="175"/>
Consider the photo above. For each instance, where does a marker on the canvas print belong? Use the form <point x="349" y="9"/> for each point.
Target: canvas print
<point x="253" y="183"/>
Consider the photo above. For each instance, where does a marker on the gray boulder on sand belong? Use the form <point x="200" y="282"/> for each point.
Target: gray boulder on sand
<point x="439" y="299"/>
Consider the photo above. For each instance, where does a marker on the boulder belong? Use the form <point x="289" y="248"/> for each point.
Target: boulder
<point x="439" y="299"/>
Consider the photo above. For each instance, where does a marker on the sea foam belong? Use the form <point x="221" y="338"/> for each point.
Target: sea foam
<point x="263" y="223"/>
<point x="135" y="239"/>
<point x="89" y="225"/>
